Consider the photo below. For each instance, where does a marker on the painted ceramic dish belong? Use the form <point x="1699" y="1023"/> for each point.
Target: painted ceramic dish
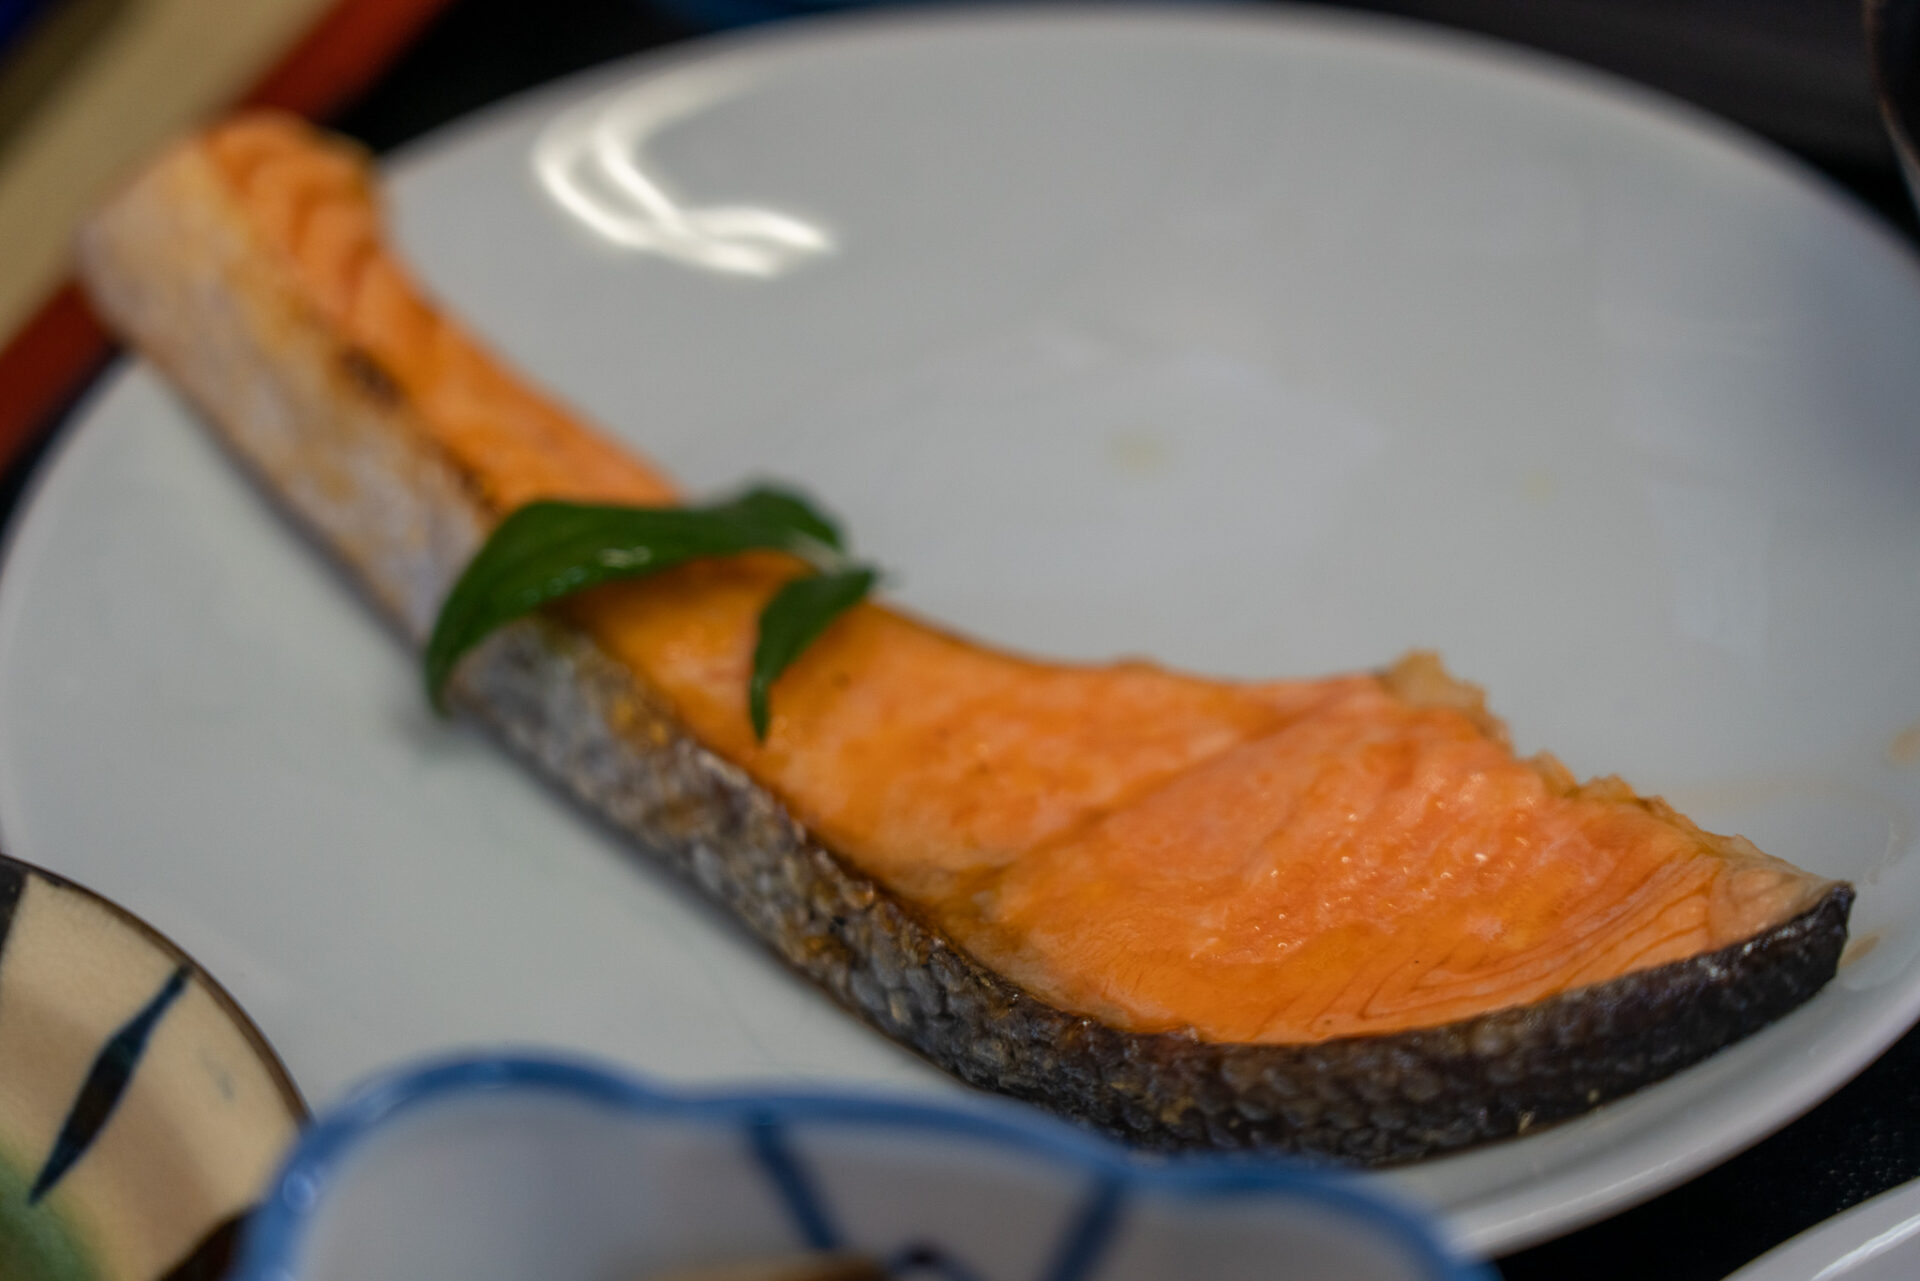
<point x="140" y="1112"/>
<point x="499" y="1169"/>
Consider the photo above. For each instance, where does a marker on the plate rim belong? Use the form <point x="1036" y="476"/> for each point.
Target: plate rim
<point x="1818" y="1250"/>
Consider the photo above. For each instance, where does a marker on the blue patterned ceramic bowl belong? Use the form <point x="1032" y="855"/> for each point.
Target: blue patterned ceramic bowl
<point x="141" y="1114"/>
<point x="504" y="1169"/>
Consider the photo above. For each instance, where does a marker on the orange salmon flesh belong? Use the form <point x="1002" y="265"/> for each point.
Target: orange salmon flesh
<point x="1269" y="862"/>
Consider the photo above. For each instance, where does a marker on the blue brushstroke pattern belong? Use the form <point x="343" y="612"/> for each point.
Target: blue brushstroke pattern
<point x="784" y="1168"/>
<point x="1079" y="1252"/>
<point x="106" y="1082"/>
<point x="1089" y="1235"/>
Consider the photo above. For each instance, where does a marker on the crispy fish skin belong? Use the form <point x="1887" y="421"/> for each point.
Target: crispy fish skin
<point x="173" y="264"/>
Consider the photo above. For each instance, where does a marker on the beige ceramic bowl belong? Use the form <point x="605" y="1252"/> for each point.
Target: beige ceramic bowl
<point x="140" y="1111"/>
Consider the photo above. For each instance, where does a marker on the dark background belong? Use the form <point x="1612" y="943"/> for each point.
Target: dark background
<point x="1792" y="70"/>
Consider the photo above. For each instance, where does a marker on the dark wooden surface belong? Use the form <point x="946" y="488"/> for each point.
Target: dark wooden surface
<point x="1791" y="69"/>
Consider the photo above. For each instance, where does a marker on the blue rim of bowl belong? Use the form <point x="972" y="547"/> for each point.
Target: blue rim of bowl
<point x="271" y="1244"/>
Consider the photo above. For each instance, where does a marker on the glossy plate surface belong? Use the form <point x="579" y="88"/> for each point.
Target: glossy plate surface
<point x="1261" y="343"/>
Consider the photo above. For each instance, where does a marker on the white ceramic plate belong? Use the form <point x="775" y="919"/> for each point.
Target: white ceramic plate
<point x="1877" y="1240"/>
<point x="1264" y="343"/>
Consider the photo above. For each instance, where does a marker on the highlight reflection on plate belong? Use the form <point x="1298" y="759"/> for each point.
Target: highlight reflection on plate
<point x="1260" y="343"/>
<point x="592" y="161"/>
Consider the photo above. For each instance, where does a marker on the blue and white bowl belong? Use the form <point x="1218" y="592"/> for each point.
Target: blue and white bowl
<point x="503" y="1169"/>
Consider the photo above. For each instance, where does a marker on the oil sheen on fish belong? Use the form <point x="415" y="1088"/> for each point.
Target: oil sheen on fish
<point x="1335" y="916"/>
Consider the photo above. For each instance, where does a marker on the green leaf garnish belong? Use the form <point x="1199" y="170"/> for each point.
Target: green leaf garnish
<point x="793" y="620"/>
<point x="777" y="508"/>
<point x="547" y="551"/>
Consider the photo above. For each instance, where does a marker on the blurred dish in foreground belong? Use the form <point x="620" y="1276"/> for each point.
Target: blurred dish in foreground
<point x="140" y="1111"/>
<point x="499" y="1169"/>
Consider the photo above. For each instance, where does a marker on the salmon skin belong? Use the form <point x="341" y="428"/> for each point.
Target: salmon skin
<point x="1335" y="917"/>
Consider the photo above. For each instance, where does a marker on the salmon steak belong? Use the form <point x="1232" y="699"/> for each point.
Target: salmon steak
<point x="1334" y="916"/>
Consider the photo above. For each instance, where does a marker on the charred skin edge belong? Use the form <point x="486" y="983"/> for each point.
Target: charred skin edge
<point x="556" y="700"/>
<point x="172" y="265"/>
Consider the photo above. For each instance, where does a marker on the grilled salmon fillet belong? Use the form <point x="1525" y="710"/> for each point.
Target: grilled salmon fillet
<point x="1334" y="915"/>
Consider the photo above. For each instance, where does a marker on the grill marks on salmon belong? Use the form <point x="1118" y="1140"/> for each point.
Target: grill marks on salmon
<point x="1255" y="865"/>
<point x="311" y="203"/>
